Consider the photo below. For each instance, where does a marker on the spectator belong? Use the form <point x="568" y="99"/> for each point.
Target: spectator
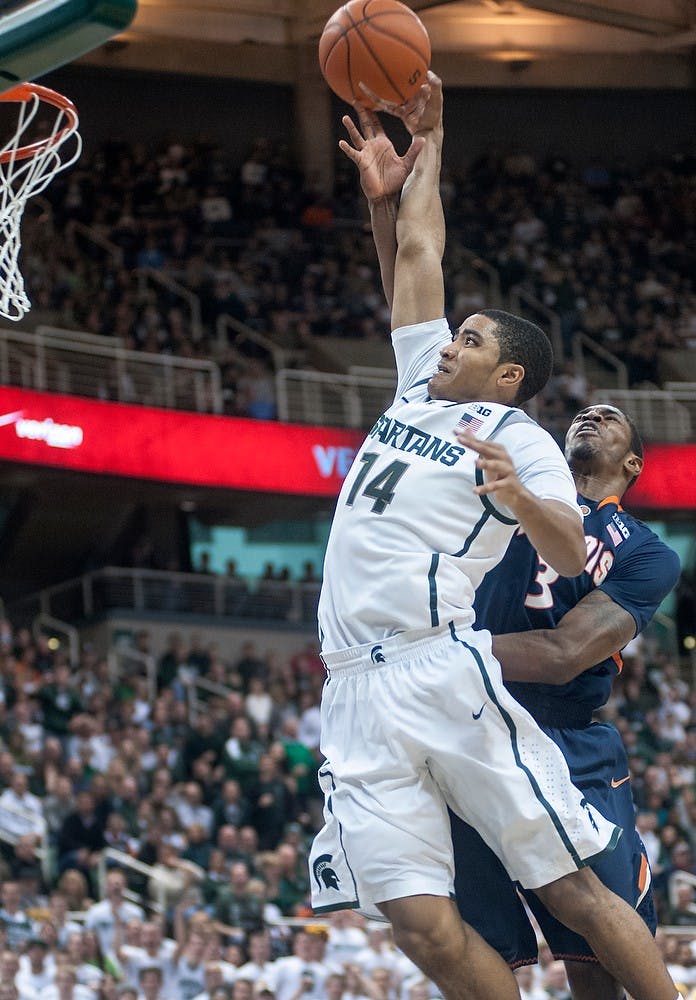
<point x="18" y="926"/>
<point x="73" y="885"/>
<point x="292" y="880"/>
<point x="309" y="726"/>
<point x="241" y="755"/>
<point x="58" y="805"/>
<point x="258" y="703"/>
<point x="36" y="970"/>
<point x="300" y="972"/>
<point x="105" y="917"/>
<point x="556" y="983"/>
<point x="347" y="937"/>
<point x="259" y="968"/>
<point x="190" y="808"/>
<point x="230" y="808"/>
<point x="150" y="980"/>
<point x="153" y="951"/>
<point x="525" y="982"/>
<point x="20" y="811"/>
<point x="81" y="836"/>
<point x="240" y="905"/>
<point x="60" y="702"/>
<point x="271" y="803"/>
<point x="66" y="987"/>
<point x="188" y="970"/>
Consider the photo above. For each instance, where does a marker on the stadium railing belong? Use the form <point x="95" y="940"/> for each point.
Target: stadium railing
<point x="525" y="304"/>
<point x="160" y="885"/>
<point x="83" y="364"/>
<point x="661" y="414"/>
<point x="488" y="276"/>
<point x="196" y="690"/>
<point x="146" y="590"/>
<point x="74" y="229"/>
<point x="598" y="364"/>
<point x="174" y="288"/>
<point x="46" y="623"/>
<point x="330" y="398"/>
<point x="231" y="332"/>
<point x="126" y="662"/>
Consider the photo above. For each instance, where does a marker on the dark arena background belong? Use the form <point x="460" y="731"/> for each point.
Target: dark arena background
<point x="206" y="347"/>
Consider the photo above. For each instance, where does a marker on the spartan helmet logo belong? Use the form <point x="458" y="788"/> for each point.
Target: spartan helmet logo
<point x="323" y="872"/>
<point x="376" y="655"/>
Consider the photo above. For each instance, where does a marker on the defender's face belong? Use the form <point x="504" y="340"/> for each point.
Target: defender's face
<point x="598" y="434"/>
<point x="468" y="365"/>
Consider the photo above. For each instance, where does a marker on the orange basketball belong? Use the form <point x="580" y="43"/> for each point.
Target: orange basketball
<point x="380" y="43"/>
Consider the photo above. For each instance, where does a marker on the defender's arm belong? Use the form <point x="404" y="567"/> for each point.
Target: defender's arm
<point x="595" y="629"/>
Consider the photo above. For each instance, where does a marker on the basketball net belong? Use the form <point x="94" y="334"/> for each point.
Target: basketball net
<point x="26" y="168"/>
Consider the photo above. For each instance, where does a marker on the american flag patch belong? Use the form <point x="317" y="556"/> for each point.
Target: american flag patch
<point x="616" y="536"/>
<point x="468" y="422"/>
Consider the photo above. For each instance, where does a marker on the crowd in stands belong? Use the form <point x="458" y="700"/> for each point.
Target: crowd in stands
<point x="608" y="247"/>
<point x="220" y="802"/>
<point x="153" y="851"/>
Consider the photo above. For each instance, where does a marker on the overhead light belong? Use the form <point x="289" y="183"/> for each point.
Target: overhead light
<point x="512" y="55"/>
<point x="501" y="6"/>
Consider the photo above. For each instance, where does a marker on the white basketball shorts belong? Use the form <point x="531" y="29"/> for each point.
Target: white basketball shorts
<point x="418" y="722"/>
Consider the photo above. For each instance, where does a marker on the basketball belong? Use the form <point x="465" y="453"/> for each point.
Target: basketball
<point x="380" y="43"/>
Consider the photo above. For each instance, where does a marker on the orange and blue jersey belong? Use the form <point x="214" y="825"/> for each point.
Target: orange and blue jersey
<point x="625" y="559"/>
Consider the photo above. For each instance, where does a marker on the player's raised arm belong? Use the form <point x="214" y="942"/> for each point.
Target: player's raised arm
<point x="382" y="176"/>
<point x="419" y="293"/>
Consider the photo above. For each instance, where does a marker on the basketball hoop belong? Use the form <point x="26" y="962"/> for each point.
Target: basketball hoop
<point x="27" y="168"/>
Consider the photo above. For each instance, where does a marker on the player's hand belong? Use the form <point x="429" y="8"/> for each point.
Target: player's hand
<point x="382" y="170"/>
<point x="500" y="477"/>
<point x="419" y="114"/>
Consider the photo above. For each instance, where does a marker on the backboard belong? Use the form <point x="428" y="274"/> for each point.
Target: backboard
<point x="37" y="36"/>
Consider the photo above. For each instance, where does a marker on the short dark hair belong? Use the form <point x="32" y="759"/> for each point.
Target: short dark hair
<point x="523" y="343"/>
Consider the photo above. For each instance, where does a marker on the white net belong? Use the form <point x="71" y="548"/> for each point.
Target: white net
<point x="39" y="149"/>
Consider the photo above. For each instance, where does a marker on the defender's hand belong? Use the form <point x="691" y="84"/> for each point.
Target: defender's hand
<point x="382" y="171"/>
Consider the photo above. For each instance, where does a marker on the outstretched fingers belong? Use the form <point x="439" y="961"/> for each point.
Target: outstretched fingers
<point x="353" y="132"/>
<point x="351" y="152"/>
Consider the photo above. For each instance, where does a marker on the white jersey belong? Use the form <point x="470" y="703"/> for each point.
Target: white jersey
<point x="410" y="542"/>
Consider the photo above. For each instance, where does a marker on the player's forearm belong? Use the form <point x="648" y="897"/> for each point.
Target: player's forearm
<point x="383" y="214"/>
<point x="420" y="210"/>
<point x="554" y="530"/>
<point x="545" y="657"/>
<point x="532" y="657"/>
<point x="419" y="294"/>
<point x="591" y="632"/>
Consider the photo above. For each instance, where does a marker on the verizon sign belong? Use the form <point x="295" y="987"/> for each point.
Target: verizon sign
<point x="55" y="435"/>
<point x="169" y="446"/>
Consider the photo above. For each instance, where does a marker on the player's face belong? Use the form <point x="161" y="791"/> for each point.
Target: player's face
<point x="598" y="433"/>
<point x="468" y="366"/>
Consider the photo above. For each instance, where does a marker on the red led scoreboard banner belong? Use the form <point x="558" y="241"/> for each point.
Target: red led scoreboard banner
<point x="169" y="446"/>
<point x="668" y="479"/>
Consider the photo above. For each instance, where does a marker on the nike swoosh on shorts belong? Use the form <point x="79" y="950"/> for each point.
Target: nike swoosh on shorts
<point x="615" y="783"/>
